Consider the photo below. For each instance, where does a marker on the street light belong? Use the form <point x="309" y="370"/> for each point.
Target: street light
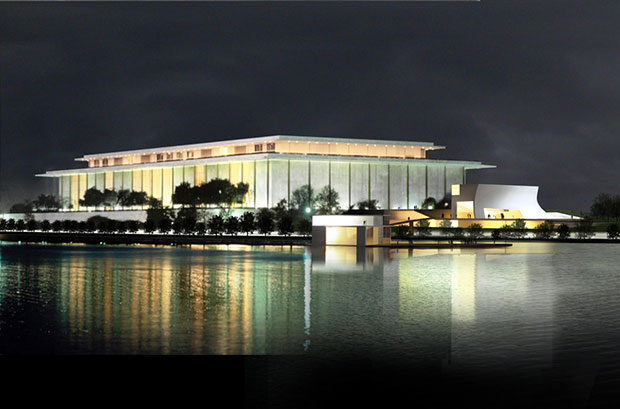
<point x="308" y="209"/>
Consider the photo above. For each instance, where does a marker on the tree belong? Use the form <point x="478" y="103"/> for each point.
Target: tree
<point x="506" y="230"/>
<point x="92" y="197"/>
<point x="157" y="214"/>
<point x="133" y="226"/>
<point x="2" y="224"/>
<point x="66" y="225"/>
<point x="429" y="203"/>
<point x="584" y="228"/>
<point x="149" y="226"/>
<point x="248" y="223"/>
<point x="327" y="201"/>
<point x="401" y="230"/>
<point x="367" y="205"/>
<point x="518" y="228"/>
<point x="285" y="223"/>
<point x="91" y="226"/>
<point x="446" y="226"/>
<point x="123" y="198"/>
<point x="231" y="225"/>
<point x="46" y="202"/>
<point x="304" y="226"/>
<point x="164" y="225"/>
<point x="82" y="228"/>
<point x="474" y="232"/>
<point x="20" y="225"/>
<point x="456" y="233"/>
<point x="25" y="207"/>
<point x="185" y="220"/>
<point x="57" y="225"/>
<point x="138" y="198"/>
<point x="74" y="226"/>
<point x="496" y="234"/>
<point x="563" y="231"/>
<point x="31" y="225"/>
<point x="154" y="203"/>
<point x="10" y="224"/>
<point x="216" y="224"/>
<point x="121" y="226"/>
<point x="185" y="195"/>
<point x="201" y="228"/>
<point x="109" y="226"/>
<point x="612" y="231"/>
<point x="264" y="221"/>
<point x="606" y="205"/>
<point x="110" y="198"/>
<point x="544" y="230"/>
<point x="45" y="225"/>
<point x="303" y="198"/>
<point x="423" y="227"/>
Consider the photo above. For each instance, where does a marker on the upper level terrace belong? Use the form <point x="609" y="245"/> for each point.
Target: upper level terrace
<point x="284" y="144"/>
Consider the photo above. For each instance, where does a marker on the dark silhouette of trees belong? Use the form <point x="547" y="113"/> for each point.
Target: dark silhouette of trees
<point x="612" y="231"/>
<point x="544" y="230"/>
<point x="367" y="205"/>
<point x="264" y="221"/>
<point x="57" y="226"/>
<point x="185" y="195"/>
<point x="215" y="225"/>
<point x="25" y="207"/>
<point x="302" y="198"/>
<point x="423" y="227"/>
<point x="46" y="203"/>
<point x="232" y="225"/>
<point x="45" y="225"/>
<point x="563" y="231"/>
<point x="327" y="201"/>
<point x="247" y="222"/>
<point x="429" y="203"/>
<point x="474" y="232"/>
<point x="584" y="228"/>
<point x="304" y="226"/>
<point x="149" y="226"/>
<point x="606" y="205"/>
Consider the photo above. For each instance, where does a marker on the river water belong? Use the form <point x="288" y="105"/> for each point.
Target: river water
<point x="542" y="313"/>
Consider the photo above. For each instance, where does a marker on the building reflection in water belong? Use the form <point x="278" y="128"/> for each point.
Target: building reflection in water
<point x="460" y="308"/>
<point x="220" y="301"/>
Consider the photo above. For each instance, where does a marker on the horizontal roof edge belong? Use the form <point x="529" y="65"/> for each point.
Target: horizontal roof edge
<point x="260" y="139"/>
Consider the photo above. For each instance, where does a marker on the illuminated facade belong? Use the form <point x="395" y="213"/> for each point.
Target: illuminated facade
<point x="395" y="173"/>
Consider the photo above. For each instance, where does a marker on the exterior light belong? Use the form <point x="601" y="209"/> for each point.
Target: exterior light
<point x="308" y="209"/>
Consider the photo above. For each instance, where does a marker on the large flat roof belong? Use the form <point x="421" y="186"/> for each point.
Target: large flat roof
<point x="272" y="156"/>
<point x="428" y="145"/>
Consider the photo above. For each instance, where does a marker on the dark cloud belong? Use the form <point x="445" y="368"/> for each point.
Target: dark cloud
<point x="530" y="87"/>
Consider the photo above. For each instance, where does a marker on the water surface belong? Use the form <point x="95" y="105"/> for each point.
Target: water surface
<point x="535" y="310"/>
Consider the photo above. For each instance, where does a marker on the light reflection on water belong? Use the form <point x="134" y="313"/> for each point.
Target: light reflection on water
<point x="524" y="308"/>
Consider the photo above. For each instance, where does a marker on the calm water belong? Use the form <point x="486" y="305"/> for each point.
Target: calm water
<point x="535" y="310"/>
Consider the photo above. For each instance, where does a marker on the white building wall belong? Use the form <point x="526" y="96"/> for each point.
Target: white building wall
<point x="340" y="182"/>
<point x="261" y="184"/>
<point x="417" y="185"/>
<point x="278" y="181"/>
<point x="300" y="174"/>
<point x="379" y="184"/>
<point x="398" y="186"/>
<point x="359" y="182"/>
<point x="436" y="181"/>
<point x="454" y="176"/>
<point x="319" y="175"/>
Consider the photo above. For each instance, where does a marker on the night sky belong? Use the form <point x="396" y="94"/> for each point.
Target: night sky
<point x="532" y="87"/>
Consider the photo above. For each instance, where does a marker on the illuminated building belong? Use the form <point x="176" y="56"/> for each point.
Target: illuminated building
<point x="397" y="174"/>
